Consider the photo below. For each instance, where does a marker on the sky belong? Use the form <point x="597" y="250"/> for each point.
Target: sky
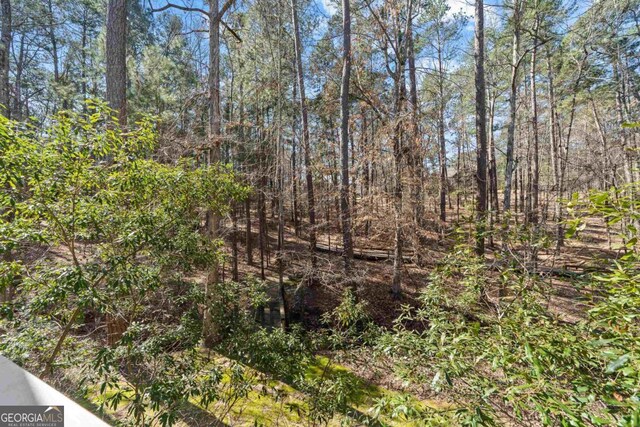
<point x="465" y="6"/>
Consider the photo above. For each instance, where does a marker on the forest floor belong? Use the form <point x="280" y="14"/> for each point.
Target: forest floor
<point x="561" y="270"/>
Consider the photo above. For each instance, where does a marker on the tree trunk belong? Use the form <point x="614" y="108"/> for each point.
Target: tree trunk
<point x="345" y="210"/>
<point x="606" y="181"/>
<point x="262" y="210"/>
<point x="54" y="42"/>
<point x="294" y="166"/>
<point x="5" y="48"/>
<point x="626" y="149"/>
<point x="553" y="140"/>
<point x="16" y="111"/>
<point x="513" y="94"/>
<point x="305" y="129"/>
<point x="210" y="333"/>
<point x="284" y="304"/>
<point x="441" y="139"/>
<point x="83" y="56"/>
<point x="534" y="129"/>
<point x="458" y="172"/>
<point x="564" y="155"/>
<point x="116" y="54"/>
<point x="234" y="242"/>
<point x="55" y="56"/>
<point x="248" y="237"/>
<point x="481" y="129"/>
<point x="493" y="171"/>
<point x="416" y="161"/>
<point x="399" y="94"/>
<point x="364" y="150"/>
<point x="116" y="80"/>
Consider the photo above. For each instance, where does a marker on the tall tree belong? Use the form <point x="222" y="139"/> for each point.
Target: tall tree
<point x="443" y="33"/>
<point x="53" y="40"/>
<point x="481" y="128"/>
<point x="214" y="130"/>
<point x="344" y="136"/>
<point x="306" y="145"/>
<point x="213" y="146"/>
<point x="414" y="137"/>
<point x="535" y="181"/>
<point x="442" y="155"/>
<point x="399" y="47"/>
<point x="215" y="118"/>
<point x="513" y="93"/>
<point x="5" y="47"/>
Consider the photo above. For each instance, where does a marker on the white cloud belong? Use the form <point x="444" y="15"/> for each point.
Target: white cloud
<point x="467" y="7"/>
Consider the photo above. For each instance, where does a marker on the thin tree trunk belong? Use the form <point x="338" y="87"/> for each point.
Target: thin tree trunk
<point x="515" y="192"/>
<point x="513" y="93"/>
<point x="535" y="182"/>
<point x="248" y="237"/>
<point x="53" y="41"/>
<point x="441" y="139"/>
<point x="284" y="305"/>
<point x="399" y="94"/>
<point x="555" y="149"/>
<point x="247" y="201"/>
<point x="628" y="163"/>
<point x="522" y="190"/>
<point x="493" y="172"/>
<point x="367" y="170"/>
<point x="234" y="243"/>
<point x="335" y="150"/>
<point x="305" y="130"/>
<point x="564" y="155"/>
<point x="458" y="172"/>
<point x="416" y="161"/>
<point x="262" y="214"/>
<point x="5" y="48"/>
<point x="17" y="110"/>
<point x="55" y="57"/>
<point x="529" y="147"/>
<point x="83" y="56"/>
<point x="294" y="165"/>
<point x="605" y="180"/>
<point x="345" y="210"/>
<point x="481" y="129"/>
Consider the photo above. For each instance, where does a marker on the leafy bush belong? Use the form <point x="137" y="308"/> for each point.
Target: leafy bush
<point x="348" y="325"/>
<point x="95" y="231"/>
<point x="516" y="361"/>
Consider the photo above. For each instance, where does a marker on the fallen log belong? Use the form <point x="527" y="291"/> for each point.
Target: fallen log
<point x="364" y="254"/>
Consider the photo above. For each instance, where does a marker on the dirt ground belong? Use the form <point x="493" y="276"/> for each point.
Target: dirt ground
<point x="590" y="251"/>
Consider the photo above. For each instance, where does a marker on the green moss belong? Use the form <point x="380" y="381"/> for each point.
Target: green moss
<point x="366" y="394"/>
<point x="275" y="402"/>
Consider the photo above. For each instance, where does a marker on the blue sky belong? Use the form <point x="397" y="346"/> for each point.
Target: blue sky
<point x="455" y="6"/>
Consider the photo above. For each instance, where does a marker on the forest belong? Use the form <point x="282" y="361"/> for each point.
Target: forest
<point x="324" y="212"/>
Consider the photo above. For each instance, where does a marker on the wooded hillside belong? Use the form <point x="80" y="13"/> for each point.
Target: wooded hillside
<point x="354" y="212"/>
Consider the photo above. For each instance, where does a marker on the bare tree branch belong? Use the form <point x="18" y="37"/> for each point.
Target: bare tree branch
<point x="233" y="33"/>
<point x="224" y="9"/>
<point x="179" y="7"/>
